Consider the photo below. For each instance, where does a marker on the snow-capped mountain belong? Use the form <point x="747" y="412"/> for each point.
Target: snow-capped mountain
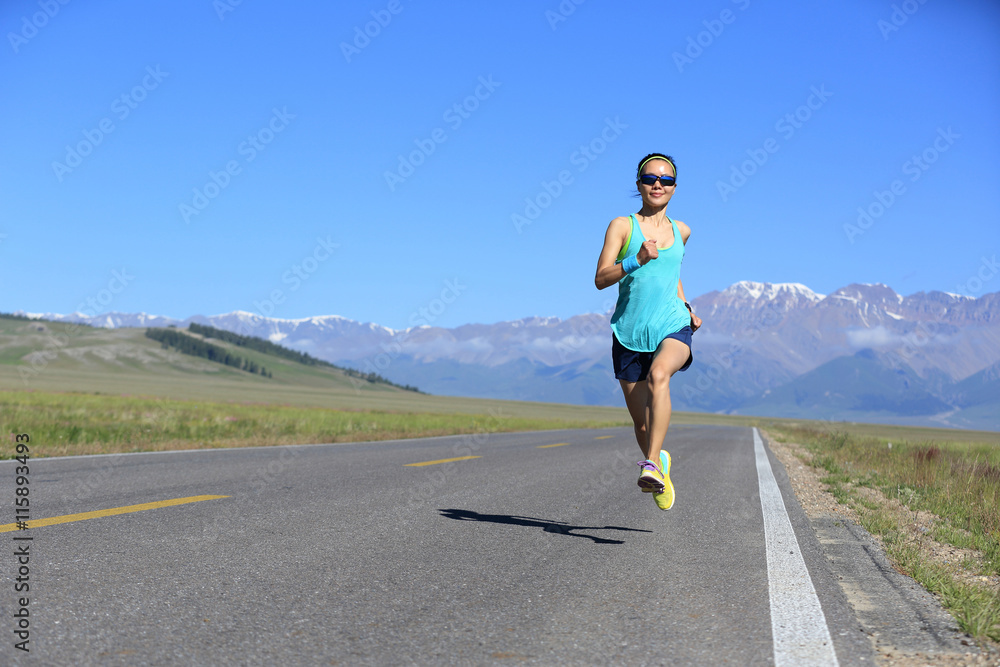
<point x="545" y="340"/>
<point x="783" y="296"/>
<point x="756" y="338"/>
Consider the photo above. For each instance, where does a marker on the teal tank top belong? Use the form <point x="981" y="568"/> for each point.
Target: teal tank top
<point x="649" y="308"/>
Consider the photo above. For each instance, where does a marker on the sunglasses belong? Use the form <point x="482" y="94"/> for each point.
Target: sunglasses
<point x="651" y="179"/>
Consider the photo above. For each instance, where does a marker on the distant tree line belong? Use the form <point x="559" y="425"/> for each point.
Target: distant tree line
<point x="375" y="378"/>
<point x="266" y="346"/>
<point x="199" y="348"/>
<point x="258" y="344"/>
<point x="13" y="316"/>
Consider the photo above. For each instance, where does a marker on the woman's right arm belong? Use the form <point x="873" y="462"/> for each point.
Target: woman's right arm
<point x="609" y="273"/>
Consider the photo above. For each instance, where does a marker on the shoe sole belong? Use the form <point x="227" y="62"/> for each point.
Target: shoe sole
<point x="650" y="485"/>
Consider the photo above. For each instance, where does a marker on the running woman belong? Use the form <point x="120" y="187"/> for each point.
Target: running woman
<point x="652" y="323"/>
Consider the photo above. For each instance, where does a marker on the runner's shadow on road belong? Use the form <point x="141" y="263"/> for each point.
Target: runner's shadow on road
<point x="560" y="527"/>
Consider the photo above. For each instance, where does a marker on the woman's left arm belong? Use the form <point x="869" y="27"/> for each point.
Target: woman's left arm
<point x="695" y="320"/>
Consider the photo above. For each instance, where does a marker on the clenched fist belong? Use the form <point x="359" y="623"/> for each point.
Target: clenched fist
<point x="647" y="252"/>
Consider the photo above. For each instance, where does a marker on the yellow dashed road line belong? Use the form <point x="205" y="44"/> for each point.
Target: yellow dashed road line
<point x="558" y="444"/>
<point x="83" y="516"/>
<point x="431" y="463"/>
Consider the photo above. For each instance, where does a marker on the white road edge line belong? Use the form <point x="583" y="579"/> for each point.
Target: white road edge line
<point x="801" y="636"/>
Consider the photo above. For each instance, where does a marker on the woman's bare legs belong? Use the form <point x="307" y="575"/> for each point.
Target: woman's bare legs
<point x="670" y="356"/>
<point x="648" y="401"/>
<point x="636" y="398"/>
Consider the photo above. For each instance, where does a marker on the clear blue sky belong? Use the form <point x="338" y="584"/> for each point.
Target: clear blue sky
<point x="187" y="88"/>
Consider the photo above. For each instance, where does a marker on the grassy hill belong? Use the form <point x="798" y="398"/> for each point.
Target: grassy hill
<point x="59" y="357"/>
<point x="54" y="356"/>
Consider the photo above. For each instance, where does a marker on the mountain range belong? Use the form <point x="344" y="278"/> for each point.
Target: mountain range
<point x="861" y="353"/>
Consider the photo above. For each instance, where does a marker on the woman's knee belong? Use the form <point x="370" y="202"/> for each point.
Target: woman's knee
<point x="659" y="379"/>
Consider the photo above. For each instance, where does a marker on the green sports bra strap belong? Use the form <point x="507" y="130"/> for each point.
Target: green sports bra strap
<point x="628" y="240"/>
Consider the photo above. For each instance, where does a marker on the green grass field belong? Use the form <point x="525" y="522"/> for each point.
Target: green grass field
<point x="61" y="424"/>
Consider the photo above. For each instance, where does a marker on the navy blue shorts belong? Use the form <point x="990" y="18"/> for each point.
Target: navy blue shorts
<point x="634" y="366"/>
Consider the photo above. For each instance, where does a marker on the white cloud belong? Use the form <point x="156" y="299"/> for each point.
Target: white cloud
<point x="876" y="337"/>
<point x="879" y="336"/>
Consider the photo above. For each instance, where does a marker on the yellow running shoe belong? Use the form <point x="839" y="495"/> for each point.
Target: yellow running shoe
<point x="650" y="479"/>
<point x="665" y="498"/>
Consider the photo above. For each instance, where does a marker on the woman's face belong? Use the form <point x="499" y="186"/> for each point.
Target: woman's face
<point x="657" y="194"/>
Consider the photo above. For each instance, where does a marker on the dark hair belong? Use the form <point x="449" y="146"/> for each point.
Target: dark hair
<point x="656" y="156"/>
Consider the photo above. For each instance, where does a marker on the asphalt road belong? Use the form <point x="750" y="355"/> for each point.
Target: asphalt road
<point x="541" y="550"/>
